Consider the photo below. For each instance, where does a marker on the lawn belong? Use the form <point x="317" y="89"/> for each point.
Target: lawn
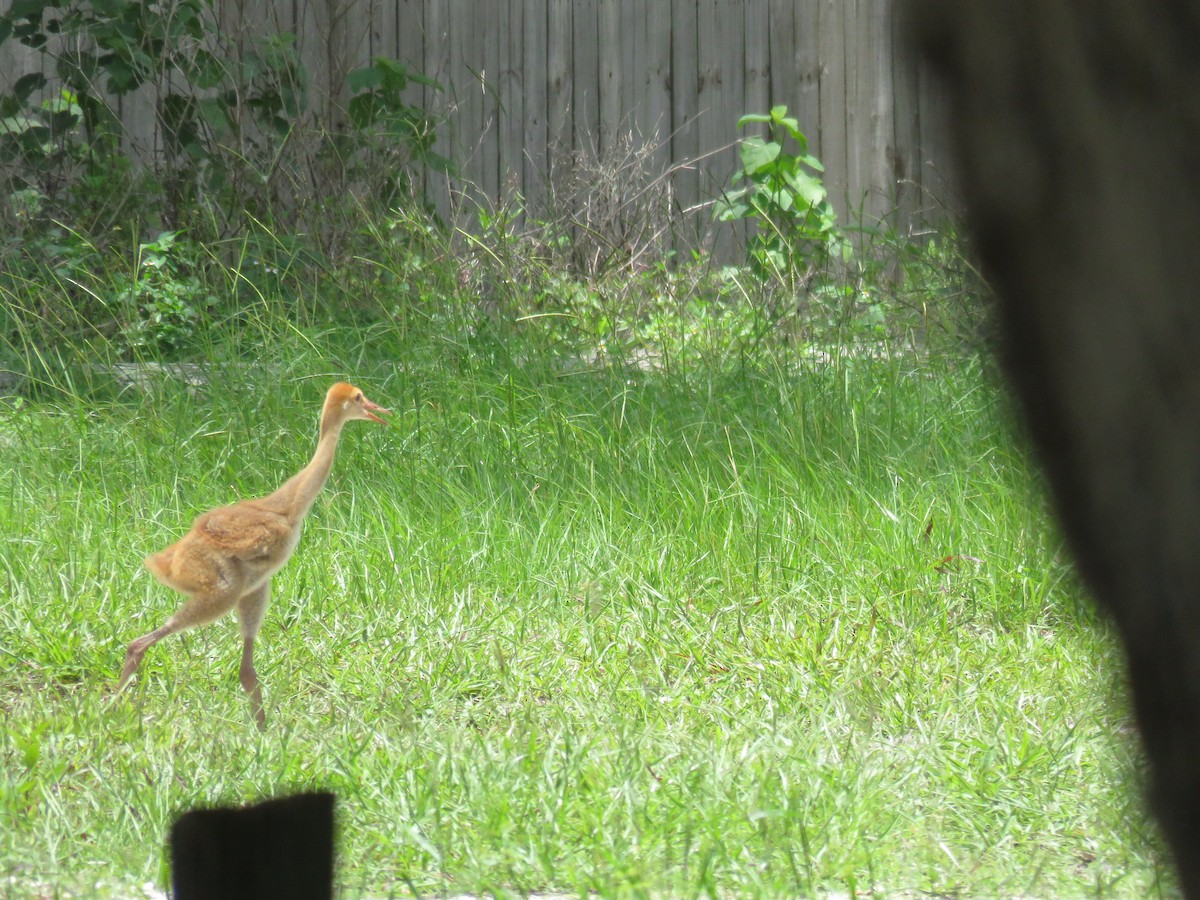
<point x="779" y="626"/>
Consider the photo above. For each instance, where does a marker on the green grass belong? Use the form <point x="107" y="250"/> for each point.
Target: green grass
<point x="776" y="629"/>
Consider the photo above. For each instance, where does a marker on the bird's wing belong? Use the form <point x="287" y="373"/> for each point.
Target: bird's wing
<point x="244" y="531"/>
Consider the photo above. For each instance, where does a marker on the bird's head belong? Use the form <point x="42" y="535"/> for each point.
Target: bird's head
<point x="345" y="401"/>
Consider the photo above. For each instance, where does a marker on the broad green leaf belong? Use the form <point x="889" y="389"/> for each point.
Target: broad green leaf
<point x="780" y="117"/>
<point x="808" y="188"/>
<point x="752" y="118"/>
<point x="426" y="80"/>
<point x="27" y="84"/>
<point x="811" y="161"/>
<point x="363" y="110"/>
<point x="215" y="113"/>
<point x="79" y="69"/>
<point x="28" y="9"/>
<point x="757" y="154"/>
<point x="738" y="209"/>
<point x="208" y="70"/>
<point x="14" y="125"/>
<point x="362" y="79"/>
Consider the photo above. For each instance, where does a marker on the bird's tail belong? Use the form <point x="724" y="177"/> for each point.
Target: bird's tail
<point x="159" y="564"/>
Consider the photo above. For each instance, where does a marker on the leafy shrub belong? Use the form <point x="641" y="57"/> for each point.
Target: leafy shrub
<point x="243" y="167"/>
<point x="239" y="142"/>
<point x="162" y="305"/>
<point x="389" y="133"/>
<point x="783" y="195"/>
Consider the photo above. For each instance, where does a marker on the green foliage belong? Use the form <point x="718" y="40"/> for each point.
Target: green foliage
<point x="783" y="195"/>
<point x="390" y="133"/>
<point x="243" y="169"/>
<point x="229" y="109"/>
<point x="162" y="305"/>
<point x="225" y="132"/>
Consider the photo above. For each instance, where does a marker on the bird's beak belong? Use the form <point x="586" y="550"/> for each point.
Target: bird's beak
<point x="372" y="408"/>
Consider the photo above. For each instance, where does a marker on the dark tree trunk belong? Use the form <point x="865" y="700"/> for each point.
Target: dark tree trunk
<point x="1077" y="126"/>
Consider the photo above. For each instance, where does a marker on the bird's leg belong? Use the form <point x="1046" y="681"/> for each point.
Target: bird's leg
<point x="198" y="609"/>
<point x="138" y="648"/>
<point x="250" y="684"/>
<point x="251" y="609"/>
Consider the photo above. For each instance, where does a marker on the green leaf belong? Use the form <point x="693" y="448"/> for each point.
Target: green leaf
<point x="751" y="119"/>
<point x="63" y="103"/>
<point x="27" y="84"/>
<point x="362" y="79"/>
<point x="32" y="10"/>
<point x="14" y="125"/>
<point x="122" y="78"/>
<point x="30" y="36"/>
<point x="810" y="189"/>
<point x="207" y="70"/>
<point x="779" y="116"/>
<point x="418" y="78"/>
<point x="78" y="69"/>
<point x="757" y="154"/>
<point x="363" y="110"/>
<point x="811" y="161"/>
<point x="215" y="113"/>
<point x="733" y="211"/>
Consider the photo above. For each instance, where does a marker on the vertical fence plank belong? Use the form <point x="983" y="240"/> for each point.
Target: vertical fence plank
<point x="758" y="60"/>
<point x="586" y="77"/>
<point x="938" y="181"/>
<point x="833" y="101"/>
<point x="382" y="37"/>
<point x="408" y="47"/>
<point x="709" y="74"/>
<point x="559" y="112"/>
<point x="611" y="38"/>
<point x="854" y="36"/>
<point x="721" y="92"/>
<point x="656" y="96"/>
<point x="906" y="132"/>
<point x="437" y="65"/>
<point x="781" y="50"/>
<point x="633" y="64"/>
<point x="757" y="88"/>
<point x="139" y="125"/>
<point x="464" y="28"/>
<point x="493" y="58"/>
<point x="350" y="44"/>
<point x="312" y="29"/>
<point x="877" y="99"/>
<point x="512" y="103"/>
<point x="808" y="66"/>
<point x="868" y="97"/>
<point x="409" y="41"/>
<point x="685" y="141"/>
<point x="537" y="74"/>
<point x="16" y="61"/>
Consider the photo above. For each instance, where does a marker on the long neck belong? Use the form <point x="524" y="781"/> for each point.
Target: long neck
<point x="297" y="494"/>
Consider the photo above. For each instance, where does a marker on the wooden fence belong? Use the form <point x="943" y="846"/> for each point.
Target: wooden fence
<point x="530" y="83"/>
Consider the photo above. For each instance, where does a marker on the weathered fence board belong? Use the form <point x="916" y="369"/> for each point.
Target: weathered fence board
<point x="833" y="98"/>
<point x="530" y="83"/>
<point x="536" y="82"/>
